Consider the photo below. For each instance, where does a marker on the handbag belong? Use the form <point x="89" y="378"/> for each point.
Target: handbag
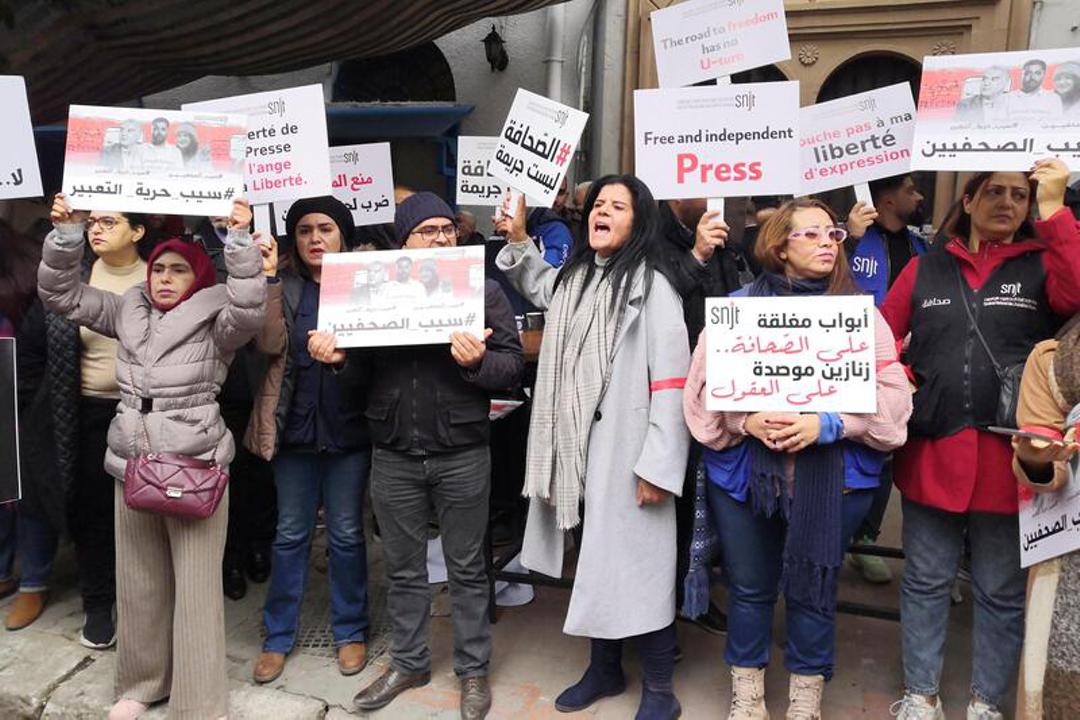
<point x="1008" y="375"/>
<point x="170" y="484"/>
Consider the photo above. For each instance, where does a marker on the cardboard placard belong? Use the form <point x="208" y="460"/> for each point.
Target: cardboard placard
<point x="20" y="176"/>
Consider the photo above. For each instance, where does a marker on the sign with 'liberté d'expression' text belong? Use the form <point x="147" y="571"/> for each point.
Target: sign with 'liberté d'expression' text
<point x="705" y="39"/>
<point x="791" y="354"/>
<point x="718" y="141"/>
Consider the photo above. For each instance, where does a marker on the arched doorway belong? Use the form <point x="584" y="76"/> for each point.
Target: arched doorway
<point x="869" y="72"/>
<point x="417" y="74"/>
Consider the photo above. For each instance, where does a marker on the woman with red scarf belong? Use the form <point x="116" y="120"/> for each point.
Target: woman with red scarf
<point x="1017" y="280"/>
<point x="177" y="335"/>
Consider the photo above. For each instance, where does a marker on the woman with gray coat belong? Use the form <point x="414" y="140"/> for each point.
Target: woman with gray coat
<point x="608" y="435"/>
<point x="177" y="334"/>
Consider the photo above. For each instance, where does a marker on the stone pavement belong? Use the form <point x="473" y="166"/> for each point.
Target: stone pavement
<point x="45" y="673"/>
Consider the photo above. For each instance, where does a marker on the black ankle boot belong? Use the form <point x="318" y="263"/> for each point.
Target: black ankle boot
<point x="604" y="678"/>
<point x="657" y="651"/>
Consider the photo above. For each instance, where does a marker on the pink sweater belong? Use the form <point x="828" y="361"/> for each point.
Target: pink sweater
<point x="885" y="430"/>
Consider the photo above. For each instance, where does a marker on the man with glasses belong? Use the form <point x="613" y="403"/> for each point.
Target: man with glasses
<point x="428" y="415"/>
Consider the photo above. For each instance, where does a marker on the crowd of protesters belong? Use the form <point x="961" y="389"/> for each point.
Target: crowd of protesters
<point x="204" y="345"/>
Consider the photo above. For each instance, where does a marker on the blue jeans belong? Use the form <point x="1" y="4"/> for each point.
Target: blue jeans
<point x="35" y="540"/>
<point x="7" y="541"/>
<point x="933" y="544"/>
<point x="302" y="480"/>
<point x="752" y="551"/>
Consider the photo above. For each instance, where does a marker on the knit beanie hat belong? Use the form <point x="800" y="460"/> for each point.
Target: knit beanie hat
<point x="416" y="208"/>
<point x="200" y="262"/>
<point x="327" y="205"/>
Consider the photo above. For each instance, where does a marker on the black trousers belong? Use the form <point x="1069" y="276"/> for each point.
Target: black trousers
<point x="90" y="507"/>
<point x="252" y="497"/>
<point x="684" y="523"/>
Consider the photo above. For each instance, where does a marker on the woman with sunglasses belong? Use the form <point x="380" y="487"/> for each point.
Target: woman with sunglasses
<point x="956" y="479"/>
<point x="831" y="464"/>
<point x="81" y="395"/>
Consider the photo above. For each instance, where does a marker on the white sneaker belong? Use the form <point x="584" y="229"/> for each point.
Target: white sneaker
<point x="917" y="707"/>
<point x="978" y="710"/>
<point x="748" y="694"/>
<point x="804" y="696"/>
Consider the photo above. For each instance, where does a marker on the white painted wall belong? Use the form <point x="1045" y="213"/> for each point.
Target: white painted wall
<point x="1055" y="24"/>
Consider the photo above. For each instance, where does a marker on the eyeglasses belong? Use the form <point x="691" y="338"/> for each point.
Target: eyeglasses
<point x="817" y="233"/>
<point x="430" y="233"/>
<point x="107" y="223"/>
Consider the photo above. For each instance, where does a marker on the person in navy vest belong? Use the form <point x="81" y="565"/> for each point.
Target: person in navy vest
<point x="880" y="245"/>
<point x="1018" y="279"/>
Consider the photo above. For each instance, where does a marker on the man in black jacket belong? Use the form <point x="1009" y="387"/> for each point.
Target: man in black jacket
<point x="428" y="412"/>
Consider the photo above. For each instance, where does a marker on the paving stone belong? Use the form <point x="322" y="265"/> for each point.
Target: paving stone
<point x="32" y="665"/>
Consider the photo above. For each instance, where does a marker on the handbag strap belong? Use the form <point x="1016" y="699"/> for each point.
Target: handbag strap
<point x="998" y="370"/>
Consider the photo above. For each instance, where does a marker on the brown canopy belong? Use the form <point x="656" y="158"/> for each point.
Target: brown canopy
<point x="102" y="52"/>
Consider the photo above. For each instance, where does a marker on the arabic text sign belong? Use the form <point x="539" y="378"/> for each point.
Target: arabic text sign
<point x="10" y="487"/>
<point x="536" y="145"/>
<point x="402" y="297"/>
<point x="19" y="173"/>
<point x="287" y="151"/>
<point x="704" y="39"/>
<point x="1050" y="522"/>
<point x="791" y="354"/>
<point x="475" y="183"/>
<point x="363" y="179"/>
<point x="159" y="161"/>
<point x="998" y="111"/>
<point x="856" y="139"/>
<point x="718" y="141"/>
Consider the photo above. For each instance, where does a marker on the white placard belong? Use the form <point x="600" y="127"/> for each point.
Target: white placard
<point x="856" y="139"/>
<point x="153" y="161"/>
<point x="718" y="141"/>
<point x="19" y="173"/>
<point x="402" y="297"/>
<point x="363" y="179"/>
<point x="1050" y="522"/>
<point x="791" y="354"/>
<point x="998" y="111"/>
<point x="704" y="39"/>
<point x="475" y="183"/>
<point x="287" y="155"/>
<point x="536" y="145"/>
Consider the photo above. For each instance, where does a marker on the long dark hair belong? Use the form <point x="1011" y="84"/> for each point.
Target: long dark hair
<point x="958" y="222"/>
<point x="773" y="239"/>
<point x="642" y="247"/>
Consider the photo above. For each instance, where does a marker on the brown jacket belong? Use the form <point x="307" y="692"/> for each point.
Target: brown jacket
<point x="273" y="341"/>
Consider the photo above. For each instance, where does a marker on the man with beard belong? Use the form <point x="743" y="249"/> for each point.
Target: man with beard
<point x="159" y="155"/>
<point x="1032" y="101"/>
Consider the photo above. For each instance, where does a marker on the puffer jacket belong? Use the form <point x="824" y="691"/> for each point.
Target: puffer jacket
<point x="170" y="366"/>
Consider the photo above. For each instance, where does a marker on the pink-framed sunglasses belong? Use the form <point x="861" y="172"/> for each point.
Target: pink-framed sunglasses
<point x="817" y="233"/>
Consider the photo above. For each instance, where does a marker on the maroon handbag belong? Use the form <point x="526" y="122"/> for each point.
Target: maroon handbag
<point x="171" y="484"/>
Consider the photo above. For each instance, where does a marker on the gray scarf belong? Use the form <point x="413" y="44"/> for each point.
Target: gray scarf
<point x="571" y="378"/>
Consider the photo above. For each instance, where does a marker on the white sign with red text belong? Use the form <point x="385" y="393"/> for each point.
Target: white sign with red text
<point x="718" y="141"/>
<point x="790" y="354"/>
<point x="705" y="39"/>
<point x="287" y="149"/>
<point x="856" y="139"/>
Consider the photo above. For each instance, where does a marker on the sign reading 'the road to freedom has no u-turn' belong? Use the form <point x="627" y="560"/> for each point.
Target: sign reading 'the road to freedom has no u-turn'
<point x="718" y="141"/>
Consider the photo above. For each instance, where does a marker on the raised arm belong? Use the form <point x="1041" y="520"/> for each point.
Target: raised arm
<point x="245" y="306"/>
<point x="528" y="272"/>
<point x="61" y="288"/>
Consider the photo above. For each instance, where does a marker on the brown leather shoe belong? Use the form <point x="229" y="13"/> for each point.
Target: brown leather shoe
<point x="268" y="667"/>
<point x="389" y="685"/>
<point x="27" y="608"/>
<point x="351" y="658"/>
<point x="475" y="698"/>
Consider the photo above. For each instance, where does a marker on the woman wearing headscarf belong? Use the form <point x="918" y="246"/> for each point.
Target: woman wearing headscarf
<point x="607" y="437"/>
<point x="1049" y="405"/>
<point x="308" y="420"/>
<point x="786" y="491"/>
<point x="177" y="334"/>
<point x="975" y="306"/>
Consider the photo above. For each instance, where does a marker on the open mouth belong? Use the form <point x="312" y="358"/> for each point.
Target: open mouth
<point x="601" y="229"/>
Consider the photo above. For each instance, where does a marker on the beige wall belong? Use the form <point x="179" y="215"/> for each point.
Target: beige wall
<point x="824" y="34"/>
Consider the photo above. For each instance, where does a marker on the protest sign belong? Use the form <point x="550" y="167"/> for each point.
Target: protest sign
<point x="791" y="354"/>
<point x="704" y="39"/>
<point x="159" y="161"/>
<point x="402" y="297"/>
<point x="718" y="141"/>
<point x="475" y="183"/>
<point x="856" y="139"/>
<point x="20" y="176"/>
<point x="1050" y="522"/>
<point x="536" y="144"/>
<point x="10" y="482"/>
<point x="287" y="149"/>
<point x="998" y="111"/>
<point x="363" y="179"/>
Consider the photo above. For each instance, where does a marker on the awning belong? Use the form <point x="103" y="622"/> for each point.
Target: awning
<point x="98" y="53"/>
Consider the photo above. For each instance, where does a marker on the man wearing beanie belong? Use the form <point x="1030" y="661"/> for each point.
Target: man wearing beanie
<point x="428" y="416"/>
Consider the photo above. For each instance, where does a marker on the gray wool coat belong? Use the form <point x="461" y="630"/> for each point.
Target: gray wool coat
<point x="179" y="359"/>
<point x="625" y="580"/>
